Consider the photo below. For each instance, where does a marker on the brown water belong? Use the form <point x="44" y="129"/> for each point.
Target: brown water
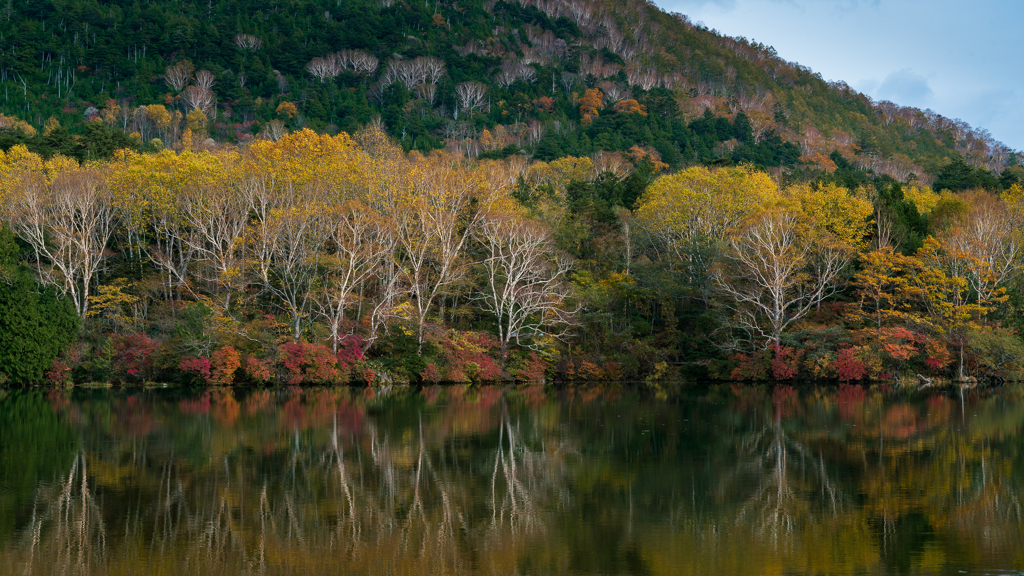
<point x="515" y="481"/>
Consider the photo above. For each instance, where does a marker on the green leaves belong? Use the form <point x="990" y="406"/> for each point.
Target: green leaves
<point x="34" y="324"/>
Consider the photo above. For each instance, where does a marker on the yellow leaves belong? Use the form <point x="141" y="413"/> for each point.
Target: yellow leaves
<point x="886" y="286"/>
<point x="58" y="164"/>
<point x="306" y="159"/>
<point x="946" y="294"/>
<point x="110" y="113"/>
<point x="17" y="124"/>
<point x="145" y="185"/>
<point x="159" y="116"/>
<point x="834" y="212"/>
<point x="630" y="106"/>
<point x="590" y="103"/>
<point x="51" y="124"/>
<point x="286" y="109"/>
<point x="18" y="158"/>
<point x="923" y="198"/>
<point x="1013" y="198"/>
<point x="701" y="203"/>
<point x="115" y="305"/>
<point x="196" y="121"/>
<point x="559" y="173"/>
<point x="698" y="202"/>
<point x="15" y="165"/>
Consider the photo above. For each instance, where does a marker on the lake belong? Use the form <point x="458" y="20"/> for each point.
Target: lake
<point x="510" y="481"/>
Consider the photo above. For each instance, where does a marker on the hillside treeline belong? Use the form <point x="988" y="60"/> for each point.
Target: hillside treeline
<point x="539" y="78"/>
<point x="319" y="258"/>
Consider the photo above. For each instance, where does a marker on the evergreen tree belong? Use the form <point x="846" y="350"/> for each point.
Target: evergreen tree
<point x="35" y="323"/>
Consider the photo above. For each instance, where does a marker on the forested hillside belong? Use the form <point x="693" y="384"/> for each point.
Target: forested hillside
<point x="618" y="81"/>
<point x="313" y="192"/>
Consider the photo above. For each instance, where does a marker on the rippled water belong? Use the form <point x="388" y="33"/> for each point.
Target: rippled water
<point x="509" y="481"/>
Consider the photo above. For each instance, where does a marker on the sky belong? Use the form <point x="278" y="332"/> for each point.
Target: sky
<point x="963" y="60"/>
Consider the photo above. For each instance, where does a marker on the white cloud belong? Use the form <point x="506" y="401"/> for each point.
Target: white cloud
<point x="904" y="86"/>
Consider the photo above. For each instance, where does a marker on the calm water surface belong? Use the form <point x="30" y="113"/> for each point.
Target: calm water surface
<point x="517" y="481"/>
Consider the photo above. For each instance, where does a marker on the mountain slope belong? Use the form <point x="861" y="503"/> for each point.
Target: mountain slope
<point x="486" y="77"/>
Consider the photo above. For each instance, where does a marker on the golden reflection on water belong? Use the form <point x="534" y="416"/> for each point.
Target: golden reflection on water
<point x="492" y="481"/>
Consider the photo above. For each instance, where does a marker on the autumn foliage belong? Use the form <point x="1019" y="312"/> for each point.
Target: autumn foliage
<point x="316" y="259"/>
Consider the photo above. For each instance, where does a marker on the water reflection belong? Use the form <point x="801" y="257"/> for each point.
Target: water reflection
<point x="741" y="480"/>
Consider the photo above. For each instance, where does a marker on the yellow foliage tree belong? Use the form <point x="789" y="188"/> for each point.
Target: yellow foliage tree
<point x="591" y="102"/>
<point x="160" y="118"/>
<point x="559" y="173"/>
<point x="196" y="121"/>
<point x="630" y="106"/>
<point x="923" y="197"/>
<point x="51" y="124"/>
<point x="287" y="109"/>
<point x="689" y="213"/>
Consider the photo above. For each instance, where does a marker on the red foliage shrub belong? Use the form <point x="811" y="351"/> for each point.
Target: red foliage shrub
<point x="224" y="362"/>
<point x="752" y="367"/>
<point x="588" y="370"/>
<point x="258" y="371"/>
<point x="133" y="354"/>
<point x="198" y="366"/>
<point x="468" y="357"/>
<point x="59" y="374"/>
<point x="350" y="350"/>
<point x="612" y="370"/>
<point x="534" y="369"/>
<point x="311" y="363"/>
<point x="431" y="374"/>
<point x="785" y="362"/>
<point x="849" y="367"/>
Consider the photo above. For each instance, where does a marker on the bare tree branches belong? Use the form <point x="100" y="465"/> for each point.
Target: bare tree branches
<point x="178" y="75"/>
<point x="472" y="96"/>
<point x="68" y="224"/>
<point x="524" y="280"/>
<point x="198" y="98"/>
<point x="248" y="42"/>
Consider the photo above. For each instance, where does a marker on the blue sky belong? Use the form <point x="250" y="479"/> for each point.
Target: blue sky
<point x="962" y="60"/>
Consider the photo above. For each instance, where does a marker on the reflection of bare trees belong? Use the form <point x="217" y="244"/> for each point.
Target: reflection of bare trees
<point x="987" y="500"/>
<point x="521" y="476"/>
<point x="509" y="495"/>
<point x="326" y="501"/>
<point x="792" y="489"/>
<point x="66" y="534"/>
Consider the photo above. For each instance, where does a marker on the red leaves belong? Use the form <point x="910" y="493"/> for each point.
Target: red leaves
<point x="311" y="363"/>
<point x="785" y="362"/>
<point x="224" y="362"/>
<point x="849" y="367"/>
<point x="197" y="366"/>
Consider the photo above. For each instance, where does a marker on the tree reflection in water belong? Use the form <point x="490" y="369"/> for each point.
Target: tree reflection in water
<point x="792" y="488"/>
<point x="498" y="482"/>
<point x="66" y="529"/>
